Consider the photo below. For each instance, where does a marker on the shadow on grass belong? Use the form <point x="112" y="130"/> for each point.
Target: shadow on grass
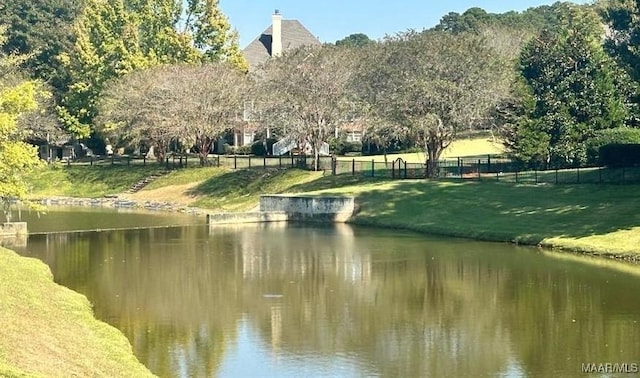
<point x="493" y="211"/>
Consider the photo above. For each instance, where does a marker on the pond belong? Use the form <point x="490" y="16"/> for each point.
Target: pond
<point x="293" y="300"/>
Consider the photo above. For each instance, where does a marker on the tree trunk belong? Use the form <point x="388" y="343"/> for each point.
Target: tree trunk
<point x="316" y="162"/>
<point x="433" y="154"/>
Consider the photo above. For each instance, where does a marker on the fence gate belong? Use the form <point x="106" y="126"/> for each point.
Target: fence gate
<point x="399" y="169"/>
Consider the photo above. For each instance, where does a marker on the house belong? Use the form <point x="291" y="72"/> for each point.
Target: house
<point x="281" y="36"/>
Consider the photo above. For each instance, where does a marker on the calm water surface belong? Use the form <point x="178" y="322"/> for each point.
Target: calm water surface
<point x="297" y="301"/>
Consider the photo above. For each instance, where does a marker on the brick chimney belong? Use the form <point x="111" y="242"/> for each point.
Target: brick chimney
<point x="276" y="33"/>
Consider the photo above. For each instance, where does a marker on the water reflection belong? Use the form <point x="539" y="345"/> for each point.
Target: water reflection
<point x="286" y="300"/>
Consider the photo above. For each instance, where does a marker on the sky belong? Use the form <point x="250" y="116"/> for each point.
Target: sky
<point x="331" y="20"/>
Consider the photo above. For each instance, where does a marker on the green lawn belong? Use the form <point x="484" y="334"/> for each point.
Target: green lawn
<point x="49" y="331"/>
<point x="87" y="181"/>
<point x="461" y="148"/>
<point x="601" y="219"/>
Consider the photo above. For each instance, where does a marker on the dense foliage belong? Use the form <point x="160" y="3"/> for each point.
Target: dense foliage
<point x="17" y="158"/>
<point x="576" y="89"/>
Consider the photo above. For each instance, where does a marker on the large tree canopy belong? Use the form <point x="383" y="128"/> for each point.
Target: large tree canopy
<point x="575" y="89"/>
<point x="41" y="30"/>
<point x="16" y="157"/>
<point x="191" y="104"/>
<point x="434" y="83"/>
<point x="305" y="93"/>
<point x="120" y="36"/>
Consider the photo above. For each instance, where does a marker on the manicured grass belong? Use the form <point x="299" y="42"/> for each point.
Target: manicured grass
<point x="49" y="331"/>
<point x="87" y="181"/>
<point x="598" y="219"/>
<point x="241" y="190"/>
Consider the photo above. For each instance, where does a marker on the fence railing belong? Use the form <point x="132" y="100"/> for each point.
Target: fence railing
<point x="489" y="168"/>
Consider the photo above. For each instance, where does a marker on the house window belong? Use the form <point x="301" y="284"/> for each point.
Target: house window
<point x="247" y="138"/>
<point x="354" y="136"/>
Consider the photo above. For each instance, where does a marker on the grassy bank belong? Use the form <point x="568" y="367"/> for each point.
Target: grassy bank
<point x="598" y="219"/>
<point x="49" y="331"/>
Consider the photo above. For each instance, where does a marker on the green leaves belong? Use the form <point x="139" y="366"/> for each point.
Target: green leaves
<point x="576" y="89"/>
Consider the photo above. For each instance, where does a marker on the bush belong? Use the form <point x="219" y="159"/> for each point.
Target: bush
<point x="620" y="155"/>
<point x="227" y="149"/>
<point x="258" y="147"/>
<point x="243" y="150"/>
<point x="620" y="135"/>
<point x="340" y="146"/>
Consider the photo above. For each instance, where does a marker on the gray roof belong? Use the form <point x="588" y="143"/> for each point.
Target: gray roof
<point x="294" y="35"/>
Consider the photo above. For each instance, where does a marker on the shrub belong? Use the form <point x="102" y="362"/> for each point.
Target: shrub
<point x="340" y="146"/>
<point x="620" y="155"/>
<point x="243" y="150"/>
<point x="620" y="135"/>
<point x="258" y="147"/>
<point x="227" y="149"/>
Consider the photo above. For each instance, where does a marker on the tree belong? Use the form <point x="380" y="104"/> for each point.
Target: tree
<point x="575" y="89"/>
<point x="433" y="83"/>
<point x="623" y="37"/>
<point x="41" y="30"/>
<point x="117" y="37"/>
<point x="193" y="104"/>
<point x="355" y="40"/>
<point x="16" y="157"/>
<point x="306" y="93"/>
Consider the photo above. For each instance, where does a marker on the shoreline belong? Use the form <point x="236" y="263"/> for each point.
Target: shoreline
<point x="554" y="244"/>
<point x="50" y="330"/>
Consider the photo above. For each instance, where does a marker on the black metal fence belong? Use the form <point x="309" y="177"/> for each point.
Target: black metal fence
<point x="490" y="167"/>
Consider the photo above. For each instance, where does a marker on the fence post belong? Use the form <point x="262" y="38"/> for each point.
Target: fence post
<point x="334" y="163"/>
<point x="488" y="163"/>
<point x="264" y="161"/>
<point x="112" y="158"/>
<point x="373" y="165"/>
<point x="556" y="175"/>
<point x="167" y="163"/>
<point x="353" y="167"/>
<point x="535" y="174"/>
<point x="600" y="175"/>
<point x="405" y="169"/>
<point x="91" y="160"/>
<point x="144" y="160"/>
<point x="479" y="162"/>
<point x="235" y="161"/>
<point x="128" y="160"/>
<point x="459" y="168"/>
<point x="280" y="161"/>
<point x="497" y="176"/>
<point x="249" y="161"/>
<point x="186" y="161"/>
<point x="516" y="176"/>
<point x="218" y="160"/>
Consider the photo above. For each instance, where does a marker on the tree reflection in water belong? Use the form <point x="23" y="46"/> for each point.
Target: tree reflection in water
<point x="370" y="302"/>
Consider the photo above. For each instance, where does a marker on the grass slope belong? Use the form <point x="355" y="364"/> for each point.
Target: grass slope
<point x="599" y="219"/>
<point x="49" y="331"/>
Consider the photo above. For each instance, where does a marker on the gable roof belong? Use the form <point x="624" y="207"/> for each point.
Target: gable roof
<point x="294" y="35"/>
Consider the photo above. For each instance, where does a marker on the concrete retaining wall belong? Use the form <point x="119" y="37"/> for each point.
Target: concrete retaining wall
<point x="282" y="208"/>
<point x="338" y="209"/>
<point x="13" y="228"/>
<point x="251" y="217"/>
